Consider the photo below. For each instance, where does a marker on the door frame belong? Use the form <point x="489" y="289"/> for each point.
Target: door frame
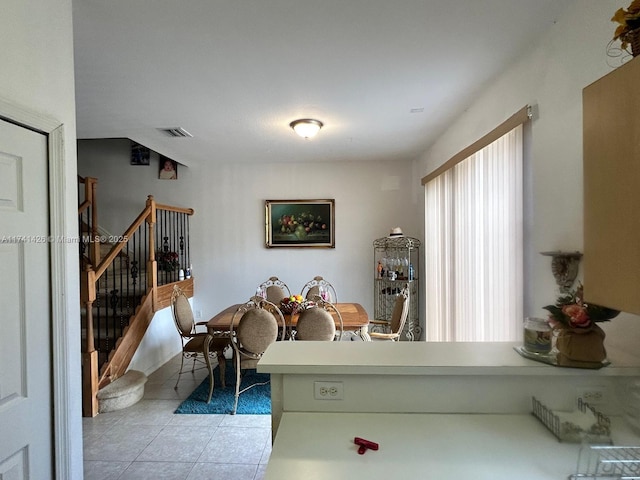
<point x="64" y="445"/>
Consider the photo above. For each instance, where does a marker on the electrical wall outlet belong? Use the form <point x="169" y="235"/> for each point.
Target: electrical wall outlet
<point x="592" y="395"/>
<point x="328" y="390"/>
<point x="198" y="314"/>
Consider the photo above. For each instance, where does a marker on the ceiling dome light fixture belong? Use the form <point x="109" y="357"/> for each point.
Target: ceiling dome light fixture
<point x="306" y="127"/>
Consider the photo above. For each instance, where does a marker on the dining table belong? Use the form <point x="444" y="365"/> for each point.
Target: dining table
<point x="354" y="319"/>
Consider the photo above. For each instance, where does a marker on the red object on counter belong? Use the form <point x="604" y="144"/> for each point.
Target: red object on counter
<point x="365" y="444"/>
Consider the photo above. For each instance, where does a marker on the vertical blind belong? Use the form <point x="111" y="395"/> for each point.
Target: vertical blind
<point x="473" y="245"/>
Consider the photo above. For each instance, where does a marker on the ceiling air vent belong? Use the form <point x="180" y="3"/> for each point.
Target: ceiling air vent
<point x="176" y="132"/>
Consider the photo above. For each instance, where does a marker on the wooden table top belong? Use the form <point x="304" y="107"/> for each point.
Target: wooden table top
<point x="354" y="317"/>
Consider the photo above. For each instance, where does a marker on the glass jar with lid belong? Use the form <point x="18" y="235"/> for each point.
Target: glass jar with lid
<point x="537" y="335"/>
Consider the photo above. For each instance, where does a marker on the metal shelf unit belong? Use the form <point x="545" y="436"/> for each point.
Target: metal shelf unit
<point x="396" y="263"/>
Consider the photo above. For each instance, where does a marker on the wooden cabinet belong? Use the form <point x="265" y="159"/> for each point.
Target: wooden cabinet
<point x="611" y="123"/>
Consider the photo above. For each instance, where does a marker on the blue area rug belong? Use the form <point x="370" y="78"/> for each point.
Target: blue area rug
<point x="255" y="401"/>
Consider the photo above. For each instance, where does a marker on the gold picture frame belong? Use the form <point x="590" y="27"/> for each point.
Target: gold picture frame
<point x="300" y="223"/>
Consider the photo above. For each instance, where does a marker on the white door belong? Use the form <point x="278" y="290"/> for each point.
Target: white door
<point x="26" y="407"/>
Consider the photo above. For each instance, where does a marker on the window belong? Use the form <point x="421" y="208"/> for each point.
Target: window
<point x="474" y="241"/>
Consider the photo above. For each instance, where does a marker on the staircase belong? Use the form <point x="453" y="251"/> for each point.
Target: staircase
<point x="117" y="296"/>
<point x="123" y="284"/>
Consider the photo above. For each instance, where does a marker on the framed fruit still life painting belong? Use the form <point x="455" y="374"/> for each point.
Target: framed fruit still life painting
<point x="300" y="223"/>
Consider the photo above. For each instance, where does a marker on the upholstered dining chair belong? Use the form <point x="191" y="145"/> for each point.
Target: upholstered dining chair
<point x="196" y="345"/>
<point x="316" y="287"/>
<point x="274" y="290"/>
<point x="254" y="326"/>
<point x="318" y="323"/>
<point x="392" y="329"/>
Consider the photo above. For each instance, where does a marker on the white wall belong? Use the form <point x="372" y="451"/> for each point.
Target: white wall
<point x="36" y="61"/>
<point x="571" y="56"/>
<point x="160" y="342"/>
<point x="227" y="231"/>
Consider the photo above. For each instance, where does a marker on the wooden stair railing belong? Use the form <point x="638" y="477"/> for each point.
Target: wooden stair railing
<point x="88" y="219"/>
<point x="126" y="288"/>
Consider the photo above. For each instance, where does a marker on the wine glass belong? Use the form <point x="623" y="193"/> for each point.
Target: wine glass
<point x="324" y="295"/>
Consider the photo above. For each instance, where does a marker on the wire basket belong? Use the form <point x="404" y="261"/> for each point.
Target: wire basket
<point x="566" y="429"/>
<point x="600" y="462"/>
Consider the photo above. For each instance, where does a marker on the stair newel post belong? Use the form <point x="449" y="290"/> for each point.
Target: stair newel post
<point x="90" y="354"/>
<point x="152" y="270"/>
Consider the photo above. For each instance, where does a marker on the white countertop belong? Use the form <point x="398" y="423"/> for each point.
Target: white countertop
<point x="420" y="358"/>
<point x="318" y="446"/>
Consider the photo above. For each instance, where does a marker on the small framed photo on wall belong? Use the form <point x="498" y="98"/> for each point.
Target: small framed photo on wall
<point x="168" y="169"/>
<point x="140" y="154"/>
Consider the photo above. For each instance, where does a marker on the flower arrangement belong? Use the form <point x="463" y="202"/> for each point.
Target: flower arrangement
<point x="571" y="311"/>
<point x="628" y="26"/>
<point x="167" y="261"/>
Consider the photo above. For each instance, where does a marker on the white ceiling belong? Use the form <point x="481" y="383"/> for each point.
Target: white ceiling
<point x="235" y="73"/>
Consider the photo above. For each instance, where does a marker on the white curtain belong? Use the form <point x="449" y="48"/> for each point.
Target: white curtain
<point x="473" y="246"/>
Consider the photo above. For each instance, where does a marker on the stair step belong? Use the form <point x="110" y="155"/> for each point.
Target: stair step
<point x="122" y="392"/>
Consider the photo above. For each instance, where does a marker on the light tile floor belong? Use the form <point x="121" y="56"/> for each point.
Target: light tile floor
<point x="149" y="441"/>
